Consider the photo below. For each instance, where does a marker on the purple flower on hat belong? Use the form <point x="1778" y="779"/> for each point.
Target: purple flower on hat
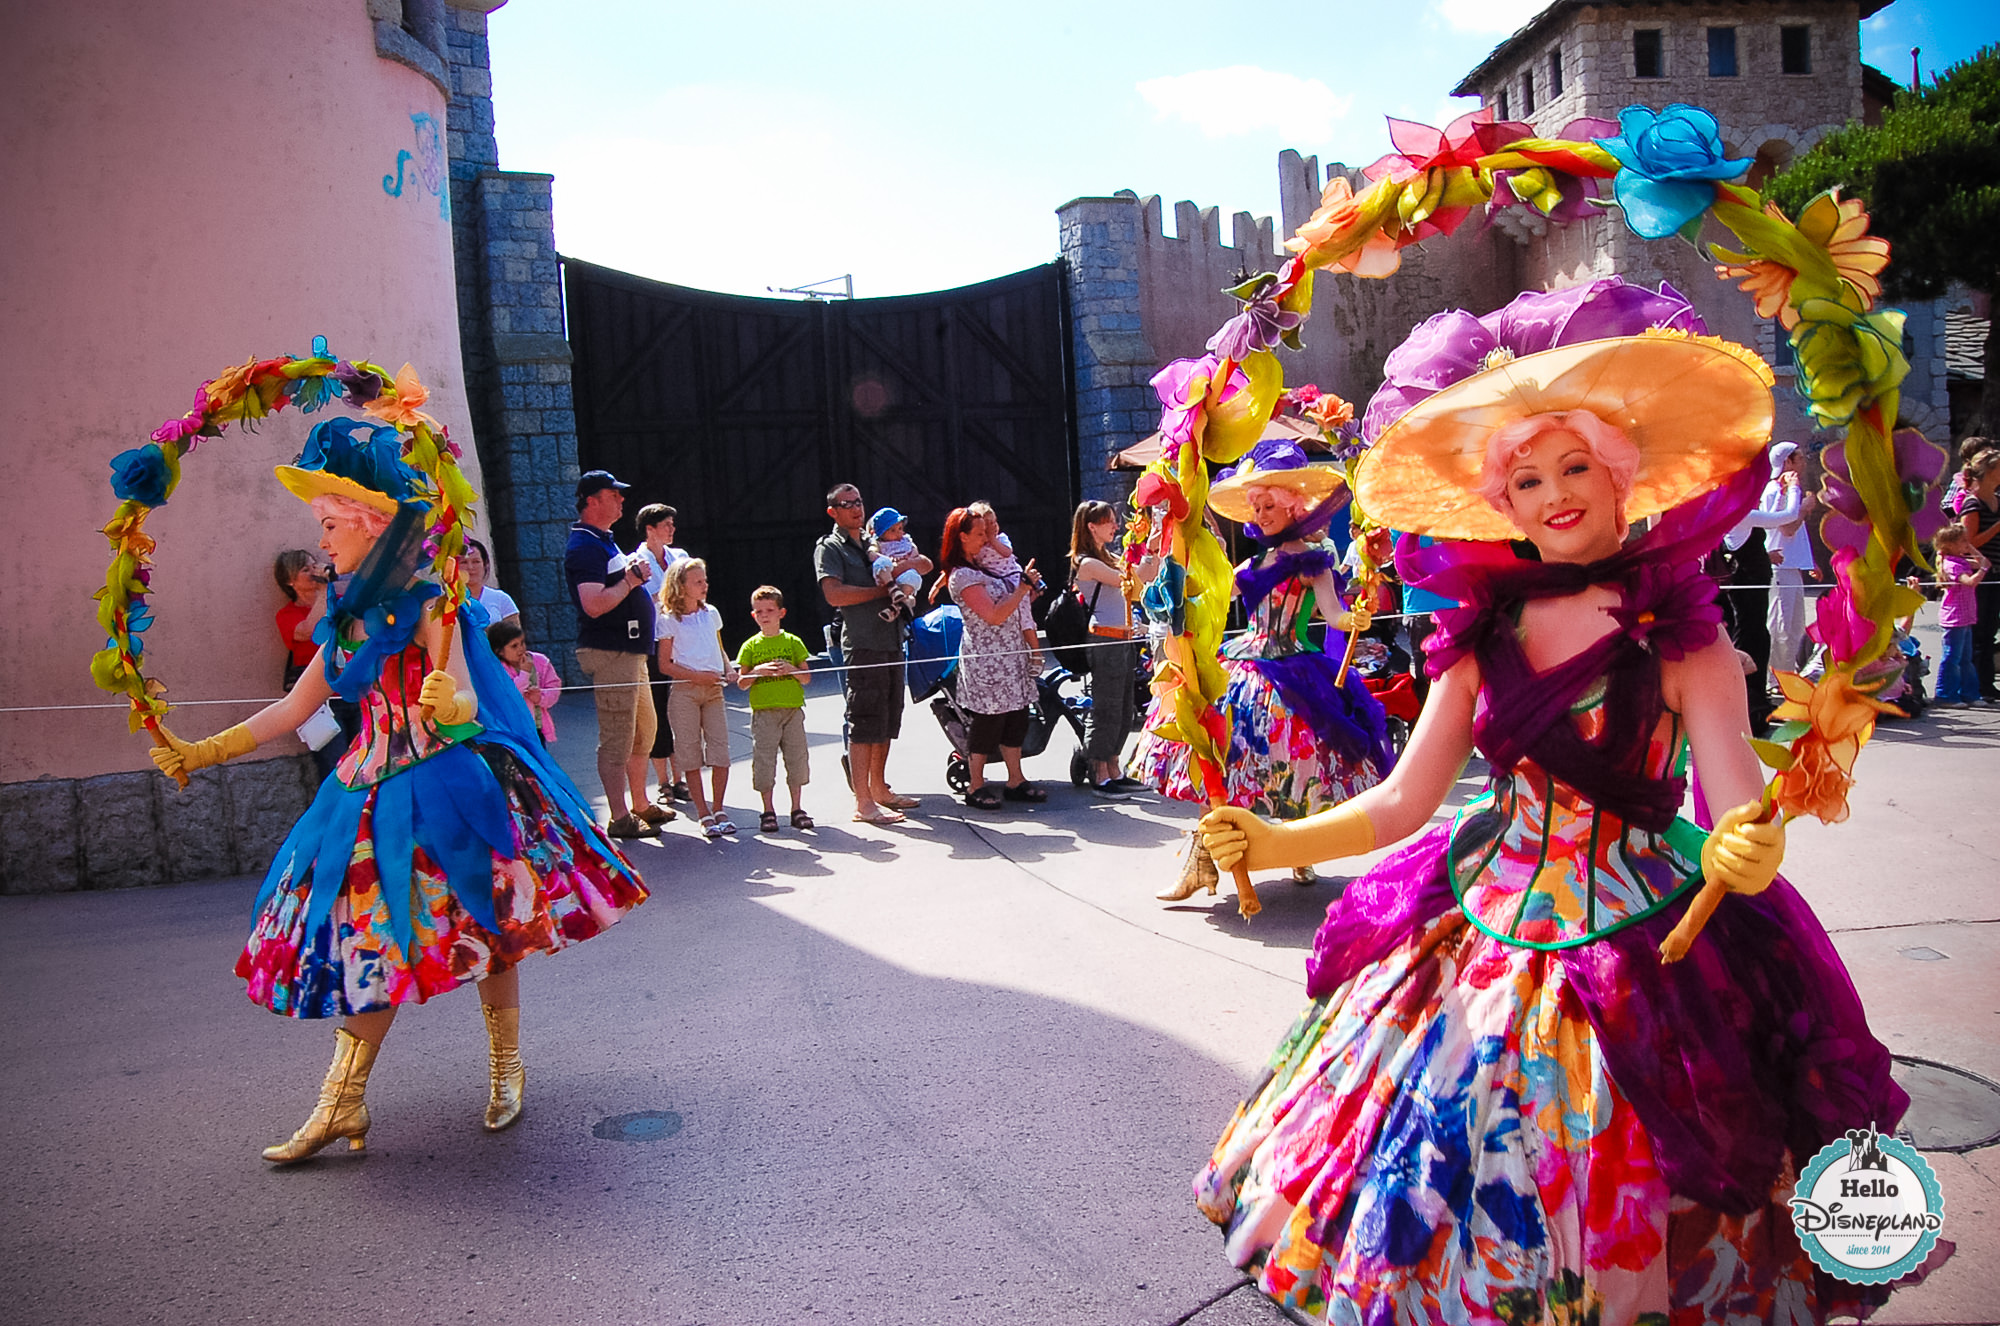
<point x="1275" y="453"/>
<point x="1452" y="346"/>
<point x="1671" y="160"/>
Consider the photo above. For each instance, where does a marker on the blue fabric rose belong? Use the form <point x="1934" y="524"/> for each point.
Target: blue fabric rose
<point x="140" y="475"/>
<point x="1669" y="161"/>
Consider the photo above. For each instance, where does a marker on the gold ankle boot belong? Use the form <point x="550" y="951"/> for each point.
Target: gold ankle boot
<point x="341" y="1112"/>
<point x="1198" y="872"/>
<point x="507" y="1077"/>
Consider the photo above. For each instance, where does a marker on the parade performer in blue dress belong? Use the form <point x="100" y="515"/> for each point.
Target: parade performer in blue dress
<point x="447" y="845"/>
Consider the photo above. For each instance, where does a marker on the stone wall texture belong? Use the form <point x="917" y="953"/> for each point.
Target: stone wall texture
<point x="517" y="356"/>
<point x="129" y="830"/>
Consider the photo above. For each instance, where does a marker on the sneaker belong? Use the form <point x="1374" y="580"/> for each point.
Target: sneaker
<point x="631" y="826"/>
<point x="1125" y="784"/>
<point x="656" y="815"/>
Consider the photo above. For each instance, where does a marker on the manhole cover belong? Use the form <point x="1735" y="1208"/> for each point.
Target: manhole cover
<point x="1950" y="1109"/>
<point x="643" y="1126"/>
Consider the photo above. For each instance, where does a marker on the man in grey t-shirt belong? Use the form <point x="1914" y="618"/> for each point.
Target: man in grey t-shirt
<point x="844" y="564"/>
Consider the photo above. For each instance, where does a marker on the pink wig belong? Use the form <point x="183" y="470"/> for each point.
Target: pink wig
<point x="1511" y="444"/>
<point x="347" y="511"/>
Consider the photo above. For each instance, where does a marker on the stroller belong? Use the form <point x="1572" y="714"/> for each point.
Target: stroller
<point x="1905" y="665"/>
<point x="933" y="675"/>
<point x="1385" y="670"/>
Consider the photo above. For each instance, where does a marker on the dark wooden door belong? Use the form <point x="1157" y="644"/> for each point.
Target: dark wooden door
<point x="741" y="413"/>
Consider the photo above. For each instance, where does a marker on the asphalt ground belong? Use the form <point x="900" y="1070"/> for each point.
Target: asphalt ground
<point x="958" y="1070"/>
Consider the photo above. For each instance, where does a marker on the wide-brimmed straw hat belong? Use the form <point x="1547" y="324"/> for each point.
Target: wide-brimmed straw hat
<point x="1698" y="409"/>
<point x="1272" y="464"/>
<point x="356" y="460"/>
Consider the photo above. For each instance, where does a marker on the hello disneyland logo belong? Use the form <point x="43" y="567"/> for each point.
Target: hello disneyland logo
<point x="1868" y="1209"/>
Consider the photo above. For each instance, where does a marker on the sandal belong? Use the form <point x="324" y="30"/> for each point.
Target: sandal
<point x="711" y="828"/>
<point x="631" y="826"/>
<point x="1025" y="791"/>
<point x="801" y="820"/>
<point x="983" y="797"/>
<point x="768" y="822"/>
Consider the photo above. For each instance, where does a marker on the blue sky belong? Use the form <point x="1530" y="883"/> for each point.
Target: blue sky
<point x="920" y="146"/>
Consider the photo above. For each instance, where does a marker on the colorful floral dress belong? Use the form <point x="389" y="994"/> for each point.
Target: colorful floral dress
<point x="432" y="856"/>
<point x="1500" y="1106"/>
<point x="1298" y="743"/>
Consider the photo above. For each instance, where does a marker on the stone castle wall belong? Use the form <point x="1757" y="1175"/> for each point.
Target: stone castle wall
<point x="1141" y="298"/>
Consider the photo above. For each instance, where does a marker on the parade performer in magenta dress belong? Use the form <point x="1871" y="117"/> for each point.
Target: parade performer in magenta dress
<point x="1502" y="1105"/>
<point x="1301" y="738"/>
<point x="447" y="845"/>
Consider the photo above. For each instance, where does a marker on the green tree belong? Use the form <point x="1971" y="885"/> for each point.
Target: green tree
<point x="1930" y="175"/>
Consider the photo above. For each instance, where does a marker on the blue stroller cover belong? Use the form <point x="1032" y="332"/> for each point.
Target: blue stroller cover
<point x="933" y="650"/>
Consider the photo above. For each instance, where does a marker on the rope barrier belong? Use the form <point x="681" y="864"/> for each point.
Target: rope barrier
<point x="828" y="669"/>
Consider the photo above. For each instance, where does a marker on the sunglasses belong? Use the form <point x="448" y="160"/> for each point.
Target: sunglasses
<point x="849" y="505"/>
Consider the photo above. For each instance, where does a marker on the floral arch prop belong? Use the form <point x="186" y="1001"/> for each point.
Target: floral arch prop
<point x="144" y="477"/>
<point x="1817" y="275"/>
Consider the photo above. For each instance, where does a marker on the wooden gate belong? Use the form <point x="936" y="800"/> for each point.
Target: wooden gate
<point x="742" y="412"/>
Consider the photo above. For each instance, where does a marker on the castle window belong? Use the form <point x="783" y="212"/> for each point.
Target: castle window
<point x="1528" y="93"/>
<point x="1648" y="54"/>
<point x="1722" y="52"/>
<point x="1795" y="49"/>
<point x="1505" y="113"/>
<point x="1556" y="72"/>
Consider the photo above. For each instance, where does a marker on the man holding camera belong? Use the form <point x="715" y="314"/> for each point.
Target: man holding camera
<point x="614" y="638"/>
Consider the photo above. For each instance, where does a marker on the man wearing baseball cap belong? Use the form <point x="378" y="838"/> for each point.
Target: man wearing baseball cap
<point x="614" y="637"/>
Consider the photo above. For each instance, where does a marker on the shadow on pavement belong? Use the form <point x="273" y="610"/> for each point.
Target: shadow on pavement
<point x="835" y="1136"/>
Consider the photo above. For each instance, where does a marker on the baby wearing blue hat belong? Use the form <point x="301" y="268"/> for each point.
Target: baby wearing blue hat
<point x="892" y="544"/>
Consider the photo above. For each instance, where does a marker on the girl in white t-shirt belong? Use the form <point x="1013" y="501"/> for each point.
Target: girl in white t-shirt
<point x="690" y="645"/>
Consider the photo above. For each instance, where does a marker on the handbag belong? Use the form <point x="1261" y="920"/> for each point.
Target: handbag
<point x="1068" y="628"/>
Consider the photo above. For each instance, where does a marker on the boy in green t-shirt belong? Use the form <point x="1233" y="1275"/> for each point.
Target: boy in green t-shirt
<point x="772" y="667"/>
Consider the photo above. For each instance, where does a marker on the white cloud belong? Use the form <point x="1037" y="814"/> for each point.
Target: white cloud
<point x="1243" y="99"/>
<point x="1501" y="16"/>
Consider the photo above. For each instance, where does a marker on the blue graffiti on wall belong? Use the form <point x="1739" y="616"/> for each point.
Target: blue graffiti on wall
<point x="429" y="156"/>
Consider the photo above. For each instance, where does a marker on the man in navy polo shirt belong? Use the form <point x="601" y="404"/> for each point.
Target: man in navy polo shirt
<point x="614" y="638"/>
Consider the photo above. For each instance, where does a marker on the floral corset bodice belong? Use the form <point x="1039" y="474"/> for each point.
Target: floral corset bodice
<point x="1279" y="623"/>
<point x="395" y="734"/>
<point x="1536" y="863"/>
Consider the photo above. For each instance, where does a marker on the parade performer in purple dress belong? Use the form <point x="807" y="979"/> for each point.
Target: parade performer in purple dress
<point x="446" y="846"/>
<point x="1302" y="738"/>
<point x="1502" y="1105"/>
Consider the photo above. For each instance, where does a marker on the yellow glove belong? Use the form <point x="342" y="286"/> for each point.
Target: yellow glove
<point x="1743" y="853"/>
<point x="179" y="757"/>
<point x="1355" y="620"/>
<point x="448" y="705"/>
<point x="1238" y="838"/>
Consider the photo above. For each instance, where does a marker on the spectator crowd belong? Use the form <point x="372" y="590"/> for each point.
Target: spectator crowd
<point x="653" y="646"/>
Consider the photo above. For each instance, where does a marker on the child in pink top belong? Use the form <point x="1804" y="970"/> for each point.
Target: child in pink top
<point x="532" y="672"/>
<point x="1960" y="569"/>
